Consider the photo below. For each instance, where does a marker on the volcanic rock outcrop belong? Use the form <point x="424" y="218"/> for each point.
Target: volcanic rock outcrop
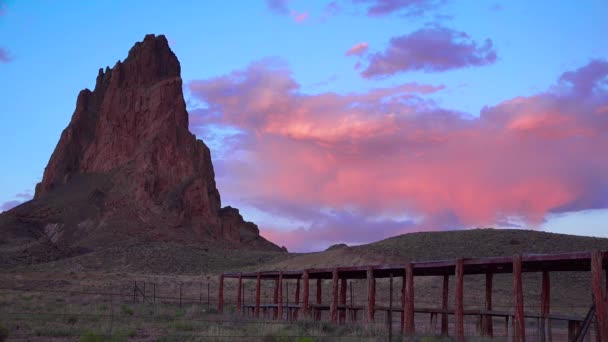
<point x="127" y="166"/>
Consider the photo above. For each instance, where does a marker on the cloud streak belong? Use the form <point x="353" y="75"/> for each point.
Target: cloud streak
<point x="396" y="161"/>
<point x="430" y="49"/>
<point x="380" y="8"/>
<point x="278" y="6"/>
<point x="357" y="50"/>
<point x="4" y="56"/>
<point x="9" y="205"/>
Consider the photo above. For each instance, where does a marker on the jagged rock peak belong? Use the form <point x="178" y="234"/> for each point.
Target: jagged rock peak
<point x="129" y="162"/>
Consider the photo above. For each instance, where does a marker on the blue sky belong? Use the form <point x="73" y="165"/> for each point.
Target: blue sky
<point x="52" y="50"/>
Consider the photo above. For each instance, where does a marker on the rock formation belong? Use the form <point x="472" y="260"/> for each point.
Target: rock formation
<point x="127" y="166"/>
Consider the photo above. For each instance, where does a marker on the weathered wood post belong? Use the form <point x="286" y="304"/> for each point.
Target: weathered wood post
<point x="297" y="300"/>
<point x="487" y="328"/>
<point x="275" y="298"/>
<point x="444" y="305"/>
<point x="280" y="301"/>
<point x="371" y="295"/>
<point x="352" y="305"/>
<point x="220" y="294"/>
<point x="319" y="297"/>
<point x="239" y="290"/>
<point x="545" y="308"/>
<point x="459" y="312"/>
<point x="305" y="313"/>
<point x="258" y="286"/>
<point x="599" y="296"/>
<point x="343" y="285"/>
<point x="333" y="308"/>
<point x="389" y="320"/>
<point x="287" y="299"/>
<point x="409" y="299"/>
<point x="519" y="324"/>
<point x="180" y="294"/>
<point x="403" y="301"/>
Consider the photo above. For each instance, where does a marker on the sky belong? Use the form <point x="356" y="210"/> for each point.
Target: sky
<point x="345" y="121"/>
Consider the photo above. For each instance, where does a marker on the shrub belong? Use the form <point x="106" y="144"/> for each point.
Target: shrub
<point x="3" y="333"/>
<point x="90" y="336"/>
<point x="183" y="326"/>
<point x="126" y="310"/>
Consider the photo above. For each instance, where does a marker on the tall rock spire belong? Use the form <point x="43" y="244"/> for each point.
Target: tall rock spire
<point x="128" y="154"/>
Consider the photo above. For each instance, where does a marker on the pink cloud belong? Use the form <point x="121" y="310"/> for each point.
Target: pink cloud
<point x="299" y="17"/>
<point x="390" y="153"/>
<point x="4" y="56"/>
<point x="378" y="8"/>
<point x="357" y="49"/>
<point x="430" y="49"/>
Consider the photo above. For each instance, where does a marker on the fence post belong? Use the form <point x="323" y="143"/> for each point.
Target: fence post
<point x="305" y="295"/>
<point x="390" y="310"/>
<point x="518" y="299"/>
<point x="135" y="292"/>
<point x="333" y="308"/>
<point x="180" y="294"/>
<point x="280" y="303"/>
<point x="459" y="300"/>
<point x="239" y="293"/>
<point x="319" y="298"/>
<point x="343" y="285"/>
<point x="154" y="291"/>
<point x="220" y="294"/>
<point x="258" y="285"/>
<point x="599" y="298"/>
<point x="409" y="298"/>
<point x="352" y="307"/>
<point x="371" y="295"/>
<point x="486" y="320"/>
<point x="297" y="300"/>
<point x="444" y="305"/>
<point x="545" y="308"/>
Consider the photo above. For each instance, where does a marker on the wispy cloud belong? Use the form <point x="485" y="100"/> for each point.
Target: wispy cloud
<point x="278" y="6"/>
<point x="357" y="49"/>
<point x="4" y="56"/>
<point x="378" y="8"/>
<point x="431" y="49"/>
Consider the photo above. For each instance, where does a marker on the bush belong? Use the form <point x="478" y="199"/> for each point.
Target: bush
<point x="183" y="326"/>
<point x="126" y="310"/>
<point x="3" y="333"/>
<point x="304" y="339"/>
<point x="90" y="336"/>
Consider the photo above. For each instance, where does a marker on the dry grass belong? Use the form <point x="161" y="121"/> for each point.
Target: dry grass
<point x="61" y="316"/>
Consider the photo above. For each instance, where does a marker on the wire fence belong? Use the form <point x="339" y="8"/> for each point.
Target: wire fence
<point x="144" y="310"/>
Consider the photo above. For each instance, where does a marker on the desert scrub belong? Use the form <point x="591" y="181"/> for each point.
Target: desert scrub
<point x="126" y="310"/>
<point x="118" y="336"/>
<point x="183" y="326"/>
<point x="3" y="333"/>
<point x="90" y="336"/>
<point x="55" y="332"/>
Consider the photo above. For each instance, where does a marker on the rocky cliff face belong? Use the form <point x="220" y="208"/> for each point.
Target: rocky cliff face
<point x="127" y="165"/>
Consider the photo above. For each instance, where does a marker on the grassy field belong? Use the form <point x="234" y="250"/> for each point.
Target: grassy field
<point x="90" y="296"/>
